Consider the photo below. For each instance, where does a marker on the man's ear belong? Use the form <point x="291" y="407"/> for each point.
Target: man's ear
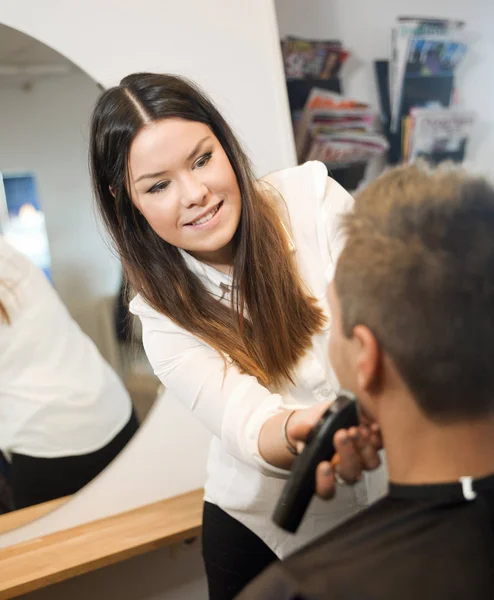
<point x="368" y="360"/>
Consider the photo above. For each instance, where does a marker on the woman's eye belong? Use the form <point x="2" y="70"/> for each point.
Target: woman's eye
<point x="159" y="187"/>
<point x="203" y="161"/>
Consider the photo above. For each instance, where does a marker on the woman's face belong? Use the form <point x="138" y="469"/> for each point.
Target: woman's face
<point x="184" y="185"/>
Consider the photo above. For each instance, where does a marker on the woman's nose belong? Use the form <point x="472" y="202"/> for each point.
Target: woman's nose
<point x="193" y="191"/>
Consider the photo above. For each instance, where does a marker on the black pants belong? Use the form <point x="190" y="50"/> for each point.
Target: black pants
<point x="233" y="554"/>
<point x="34" y="480"/>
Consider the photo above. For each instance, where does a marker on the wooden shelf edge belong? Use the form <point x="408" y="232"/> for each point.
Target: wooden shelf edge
<point x="23" y="516"/>
<point x="41" y="562"/>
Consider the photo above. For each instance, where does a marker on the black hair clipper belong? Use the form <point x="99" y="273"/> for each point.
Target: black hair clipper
<point x="300" y="486"/>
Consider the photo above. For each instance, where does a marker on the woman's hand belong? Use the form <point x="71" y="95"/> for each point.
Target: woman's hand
<point x="356" y="449"/>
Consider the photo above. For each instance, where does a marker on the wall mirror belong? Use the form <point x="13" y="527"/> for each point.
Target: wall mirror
<point x="73" y="386"/>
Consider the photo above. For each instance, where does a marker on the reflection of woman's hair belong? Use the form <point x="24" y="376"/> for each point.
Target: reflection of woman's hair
<point x="122" y="318"/>
<point x="4" y="315"/>
<point x="266" y="285"/>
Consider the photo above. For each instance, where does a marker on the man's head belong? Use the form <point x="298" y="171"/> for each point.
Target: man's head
<point x="413" y="295"/>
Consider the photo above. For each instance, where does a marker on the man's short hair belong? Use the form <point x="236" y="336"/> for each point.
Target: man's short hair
<point x="418" y="270"/>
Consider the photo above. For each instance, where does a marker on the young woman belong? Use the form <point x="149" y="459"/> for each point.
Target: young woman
<point x="64" y="413"/>
<point x="231" y="276"/>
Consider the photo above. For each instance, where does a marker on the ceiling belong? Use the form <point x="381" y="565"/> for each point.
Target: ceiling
<point x="23" y="58"/>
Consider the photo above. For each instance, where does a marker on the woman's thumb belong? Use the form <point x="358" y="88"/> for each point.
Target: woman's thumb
<point x="303" y="421"/>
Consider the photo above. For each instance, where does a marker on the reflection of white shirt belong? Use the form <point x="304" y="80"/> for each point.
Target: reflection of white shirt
<point x="235" y="406"/>
<point x="58" y="397"/>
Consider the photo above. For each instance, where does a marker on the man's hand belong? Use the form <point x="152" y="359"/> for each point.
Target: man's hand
<point x="356" y="449"/>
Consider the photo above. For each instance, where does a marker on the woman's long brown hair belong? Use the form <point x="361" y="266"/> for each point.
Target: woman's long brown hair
<point x="282" y="316"/>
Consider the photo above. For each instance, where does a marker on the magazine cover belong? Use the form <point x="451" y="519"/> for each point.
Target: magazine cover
<point x="312" y="59"/>
<point x="440" y="134"/>
<point x="421" y="48"/>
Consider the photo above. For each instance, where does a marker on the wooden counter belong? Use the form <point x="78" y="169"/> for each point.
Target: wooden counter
<point x="23" y="516"/>
<point x="40" y="562"/>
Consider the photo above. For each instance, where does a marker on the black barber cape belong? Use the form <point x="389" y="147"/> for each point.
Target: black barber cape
<point x="420" y="542"/>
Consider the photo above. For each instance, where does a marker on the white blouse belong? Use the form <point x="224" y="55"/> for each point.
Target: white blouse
<point x="58" y="396"/>
<point x="234" y="406"/>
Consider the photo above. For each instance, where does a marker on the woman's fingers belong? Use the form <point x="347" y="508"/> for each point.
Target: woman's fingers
<point x="325" y="481"/>
<point x="349" y="465"/>
<point x="357" y="449"/>
<point x="368" y="446"/>
<point x="370" y="457"/>
<point x="303" y="421"/>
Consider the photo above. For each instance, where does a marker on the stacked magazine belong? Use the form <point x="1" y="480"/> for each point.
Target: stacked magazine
<point x="337" y="130"/>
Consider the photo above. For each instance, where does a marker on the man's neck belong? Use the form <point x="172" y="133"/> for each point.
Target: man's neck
<point x="421" y="451"/>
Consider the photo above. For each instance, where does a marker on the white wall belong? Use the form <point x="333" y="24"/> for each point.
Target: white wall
<point x="364" y="27"/>
<point x="230" y="48"/>
<point x="45" y="131"/>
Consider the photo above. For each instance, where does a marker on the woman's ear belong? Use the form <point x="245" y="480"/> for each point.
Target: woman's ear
<point x="112" y="190"/>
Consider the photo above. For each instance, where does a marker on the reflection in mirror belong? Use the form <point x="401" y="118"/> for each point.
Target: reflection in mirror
<point x="73" y="389"/>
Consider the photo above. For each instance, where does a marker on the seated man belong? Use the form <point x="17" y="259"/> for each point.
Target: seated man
<point x="413" y="339"/>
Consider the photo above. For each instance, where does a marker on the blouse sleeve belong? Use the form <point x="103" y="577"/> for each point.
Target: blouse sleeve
<point x="232" y="405"/>
<point x="336" y="203"/>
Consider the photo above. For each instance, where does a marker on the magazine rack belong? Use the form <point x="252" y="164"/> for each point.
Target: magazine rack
<point x="417" y="92"/>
